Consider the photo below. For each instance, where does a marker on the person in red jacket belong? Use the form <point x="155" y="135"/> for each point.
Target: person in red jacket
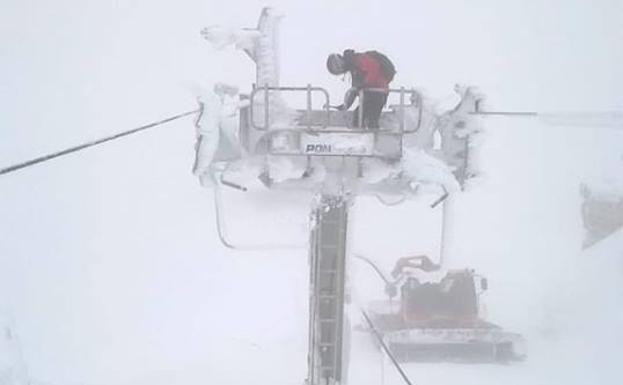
<point x="369" y="69"/>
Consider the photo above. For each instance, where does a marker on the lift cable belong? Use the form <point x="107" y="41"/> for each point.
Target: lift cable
<point x="608" y="119"/>
<point x="83" y="146"/>
<point x="376" y="333"/>
<point x="379" y="337"/>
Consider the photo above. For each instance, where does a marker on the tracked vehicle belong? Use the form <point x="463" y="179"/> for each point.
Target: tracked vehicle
<point x="439" y="320"/>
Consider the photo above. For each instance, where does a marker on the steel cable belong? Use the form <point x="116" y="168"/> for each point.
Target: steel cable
<point x="83" y="146"/>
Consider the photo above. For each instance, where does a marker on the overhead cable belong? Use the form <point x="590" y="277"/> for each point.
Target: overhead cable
<point x="385" y="348"/>
<point x="83" y="146"/>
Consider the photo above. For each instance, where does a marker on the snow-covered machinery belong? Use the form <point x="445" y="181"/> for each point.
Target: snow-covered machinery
<point x="245" y="138"/>
<point x="256" y="141"/>
<point x="439" y="320"/>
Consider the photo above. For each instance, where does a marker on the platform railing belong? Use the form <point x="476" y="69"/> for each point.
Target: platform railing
<point x="266" y="89"/>
<point x="415" y="99"/>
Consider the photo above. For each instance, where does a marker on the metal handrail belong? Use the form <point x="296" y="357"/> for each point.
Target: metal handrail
<point x="415" y="99"/>
<point x="266" y="88"/>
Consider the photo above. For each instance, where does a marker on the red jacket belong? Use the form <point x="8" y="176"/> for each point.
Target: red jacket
<point x="366" y="71"/>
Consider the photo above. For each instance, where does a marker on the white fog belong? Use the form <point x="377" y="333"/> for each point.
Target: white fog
<point x="112" y="265"/>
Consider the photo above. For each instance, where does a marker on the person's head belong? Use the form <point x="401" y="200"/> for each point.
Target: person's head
<point x="336" y="64"/>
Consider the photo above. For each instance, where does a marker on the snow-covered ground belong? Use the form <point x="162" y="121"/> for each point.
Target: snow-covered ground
<point x="111" y="271"/>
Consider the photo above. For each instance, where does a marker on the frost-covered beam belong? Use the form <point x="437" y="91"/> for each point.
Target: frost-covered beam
<point x="456" y="128"/>
<point x="260" y="43"/>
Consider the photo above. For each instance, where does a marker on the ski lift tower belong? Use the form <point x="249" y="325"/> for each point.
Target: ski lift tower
<point x="330" y="158"/>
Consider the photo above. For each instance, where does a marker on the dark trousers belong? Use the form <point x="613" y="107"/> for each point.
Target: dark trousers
<point x="372" y="105"/>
